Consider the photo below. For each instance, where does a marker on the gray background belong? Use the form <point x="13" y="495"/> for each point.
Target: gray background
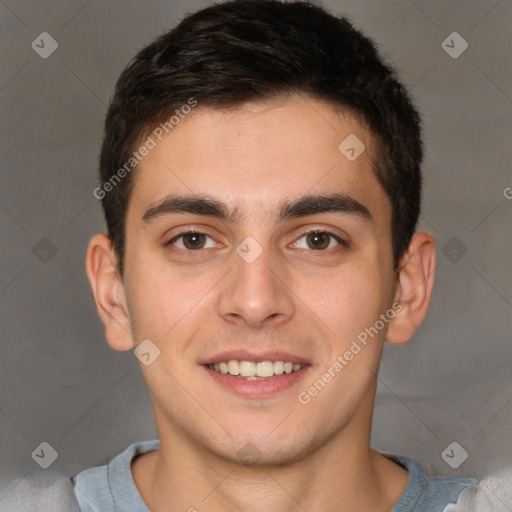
<point x="59" y="380"/>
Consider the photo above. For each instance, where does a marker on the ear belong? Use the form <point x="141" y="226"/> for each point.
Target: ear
<point x="109" y="293"/>
<point x="414" y="288"/>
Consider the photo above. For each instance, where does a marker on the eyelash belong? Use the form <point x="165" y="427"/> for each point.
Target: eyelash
<point x="338" y="239"/>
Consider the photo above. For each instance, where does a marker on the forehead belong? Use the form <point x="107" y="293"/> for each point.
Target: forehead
<point x="254" y="156"/>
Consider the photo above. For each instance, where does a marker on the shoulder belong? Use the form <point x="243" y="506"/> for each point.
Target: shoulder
<point x="92" y="490"/>
<point x="443" y="494"/>
<point x="424" y="494"/>
<point x="103" y="488"/>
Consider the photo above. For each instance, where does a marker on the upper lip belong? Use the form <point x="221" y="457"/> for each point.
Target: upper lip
<point x="245" y="355"/>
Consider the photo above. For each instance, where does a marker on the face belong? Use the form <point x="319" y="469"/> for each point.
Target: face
<point x="280" y="254"/>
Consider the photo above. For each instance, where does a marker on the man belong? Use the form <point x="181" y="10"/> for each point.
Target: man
<point x="260" y="179"/>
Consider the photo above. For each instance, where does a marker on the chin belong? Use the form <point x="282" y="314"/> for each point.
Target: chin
<point x="254" y="451"/>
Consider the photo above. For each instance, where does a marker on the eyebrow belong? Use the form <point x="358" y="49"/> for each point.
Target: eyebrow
<point x="287" y="209"/>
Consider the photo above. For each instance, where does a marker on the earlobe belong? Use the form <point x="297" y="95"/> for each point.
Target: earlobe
<point x="414" y="288"/>
<point x="109" y="292"/>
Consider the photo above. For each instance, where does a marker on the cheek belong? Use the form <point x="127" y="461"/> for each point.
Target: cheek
<point x="161" y="304"/>
<point x="347" y="300"/>
<point x="168" y="306"/>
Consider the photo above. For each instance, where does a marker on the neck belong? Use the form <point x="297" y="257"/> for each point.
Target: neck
<point x="343" y="474"/>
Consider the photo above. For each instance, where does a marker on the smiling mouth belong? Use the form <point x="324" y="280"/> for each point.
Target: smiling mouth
<point x="250" y="370"/>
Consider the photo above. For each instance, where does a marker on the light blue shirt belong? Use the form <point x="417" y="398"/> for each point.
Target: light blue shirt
<point x="111" y="488"/>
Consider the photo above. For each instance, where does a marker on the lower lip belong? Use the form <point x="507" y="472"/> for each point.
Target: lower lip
<point x="257" y="388"/>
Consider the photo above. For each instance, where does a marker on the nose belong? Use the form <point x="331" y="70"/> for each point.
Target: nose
<point x="256" y="293"/>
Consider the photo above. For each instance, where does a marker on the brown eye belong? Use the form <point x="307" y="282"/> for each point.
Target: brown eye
<point x="318" y="240"/>
<point x="190" y="241"/>
<point x="193" y="240"/>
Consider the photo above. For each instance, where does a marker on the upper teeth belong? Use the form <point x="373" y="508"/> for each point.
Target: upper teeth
<point x="252" y="369"/>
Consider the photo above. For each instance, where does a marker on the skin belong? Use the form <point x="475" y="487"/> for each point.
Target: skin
<point x="295" y="298"/>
